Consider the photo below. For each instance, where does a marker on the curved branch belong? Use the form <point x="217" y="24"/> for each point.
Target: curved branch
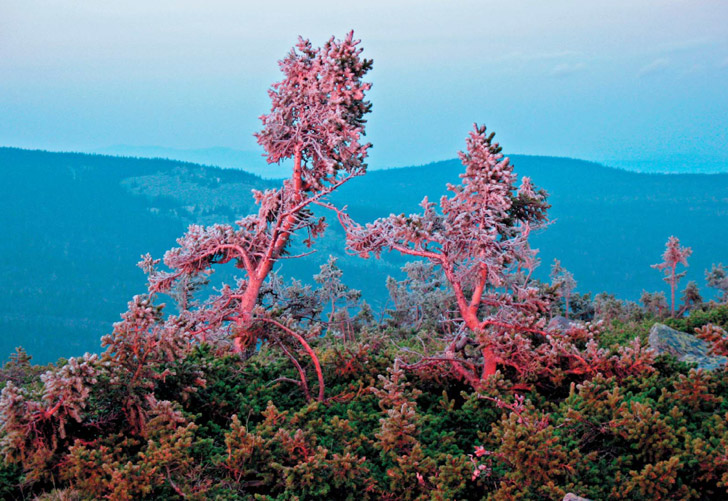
<point x="309" y="350"/>
<point x="242" y="253"/>
<point x="300" y="370"/>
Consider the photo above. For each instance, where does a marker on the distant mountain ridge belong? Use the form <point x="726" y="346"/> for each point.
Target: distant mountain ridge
<point x="76" y="225"/>
<point x="229" y="158"/>
<point x="254" y="161"/>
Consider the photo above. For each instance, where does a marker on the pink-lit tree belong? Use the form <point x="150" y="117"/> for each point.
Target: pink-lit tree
<point x="674" y="255"/>
<point x="332" y="291"/>
<point x="479" y="237"/>
<point x="316" y="119"/>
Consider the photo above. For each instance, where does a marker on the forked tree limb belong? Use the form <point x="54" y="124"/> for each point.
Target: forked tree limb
<point x="307" y="348"/>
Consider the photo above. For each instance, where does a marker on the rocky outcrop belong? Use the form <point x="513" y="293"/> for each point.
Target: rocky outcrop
<point x="574" y="497"/>
<point x="685" y="347"/>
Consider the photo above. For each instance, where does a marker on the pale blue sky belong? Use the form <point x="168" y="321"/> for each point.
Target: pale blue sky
<point x="612" y="81"/>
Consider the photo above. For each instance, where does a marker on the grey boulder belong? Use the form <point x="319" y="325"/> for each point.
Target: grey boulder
<point x="574" y="497"/>
<point x="685" y="347"/>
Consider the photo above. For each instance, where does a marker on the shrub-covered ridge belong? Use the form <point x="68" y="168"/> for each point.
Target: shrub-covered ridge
<point x="205" y="426"/>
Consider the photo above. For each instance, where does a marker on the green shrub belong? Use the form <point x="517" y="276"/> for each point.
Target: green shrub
<point x="209" y="426"/>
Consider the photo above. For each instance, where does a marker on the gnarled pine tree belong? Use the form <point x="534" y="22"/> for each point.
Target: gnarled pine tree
<point x="316" y="119"/>
<point x="479" y="237"/>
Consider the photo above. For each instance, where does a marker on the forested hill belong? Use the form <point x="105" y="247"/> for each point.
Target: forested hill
<point x="75" y="226"/>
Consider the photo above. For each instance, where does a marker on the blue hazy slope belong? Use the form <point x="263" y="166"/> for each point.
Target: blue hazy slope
<point x="76" y="225"/>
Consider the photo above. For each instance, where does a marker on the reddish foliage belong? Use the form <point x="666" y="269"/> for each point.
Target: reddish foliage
<point x="33" y="428"/>
<point x="317" y="112"/>
<point x="717" y="337"/>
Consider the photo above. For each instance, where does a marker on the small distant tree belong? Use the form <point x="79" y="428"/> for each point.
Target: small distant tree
<point x="674" y="255"/>
<point x="334" y="293"/>
<point x="608" y="308"/>
<point x="18" y="369"/>
<point x="717" y="278"/>
<point x="422" y="299"/>
<point x="581" y="307"/>
<point x="691" y="298"/>
<point x="316" y="119"/>
<point x="479" y="238"/>
<point x="564" y="282"/>
<point x="654" y="303"/>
